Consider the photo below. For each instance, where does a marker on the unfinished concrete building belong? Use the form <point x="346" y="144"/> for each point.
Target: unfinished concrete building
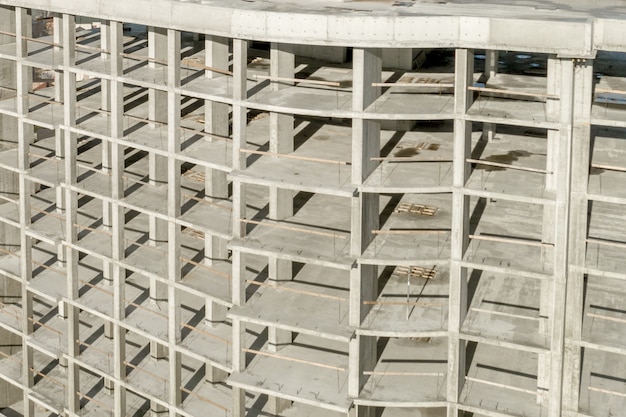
<point x="312" y="208"/>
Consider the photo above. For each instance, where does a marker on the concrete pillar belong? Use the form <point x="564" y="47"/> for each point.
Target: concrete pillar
<point x="24" y="135"/>
<point x="157" y="164"/>
<point x="8" y="124"/>
<point x="239" y="402"/>
<point x="362" y="357"/>
<point x="275" y="405"/>
<point x="105" y="104"/>
<point x="561" y="239"/>
<point x="109" y="386"/>
<point x="71" y="209"/>
<point x="214" y="313"/>
<point x="282" y="65"/>
<point x="173" y="211"/>
<point x="214" y="375"/>
<point x="157" y="350"/>
<point x="109" y="329"/>
<point x="216" y="121"/>
<point x="239" y="365"/>
<point x="464" y="69"/>
<point x="491" y="63"/>
<point x="581" y="144"/>
<point x="278" y="338"/>
<point x="549" y="218"/>
<point x="367" y="69"/>
<point x="117" y="215"/>
<point x="240" y="58"/>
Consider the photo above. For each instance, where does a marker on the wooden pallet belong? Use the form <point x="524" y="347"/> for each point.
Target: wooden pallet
<point x="193" y="233"/>
<point x="415" y="209"/>
<point x="420" y="339"/>
<point x="416" y="272"/>
<point x="195" y="175"/>
<point x="426" y="146"/>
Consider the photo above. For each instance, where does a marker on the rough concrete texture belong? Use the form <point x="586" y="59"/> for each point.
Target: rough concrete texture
<point x="293" y="209"/>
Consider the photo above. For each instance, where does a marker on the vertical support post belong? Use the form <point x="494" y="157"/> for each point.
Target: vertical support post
<point x="239" y="365"/>
<point x="173" y="212"/>
<point x="158" y="106"/>
<point x="105" y="105"/>
<point x="58" y="97"/>
<point x="216" y="116"/>
<point x="71" y="209"/>
<point x="561" y="238"/>
<point x="117" y="215"/>
<point x="25" y="138"/>
<point x="240" y="70"/>
<point x="367" y="69"/>
<point x="464" y="69"/>
<point x="549" y="218"/>
<point x="282" y="65"/>
<point x="490" y="72"/>
<point x="365" y="145"/>
<point x="579" y="205"/>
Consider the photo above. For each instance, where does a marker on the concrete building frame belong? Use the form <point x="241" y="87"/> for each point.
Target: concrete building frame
<point x="372" y="208"/>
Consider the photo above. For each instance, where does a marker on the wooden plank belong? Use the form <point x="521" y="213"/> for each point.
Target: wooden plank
<point x="514" y="241"/>
<point x="496" y="384"/>
<point x="414" y="85"/>
<point x="391" y="373"/>
<point x="298" y="80"/>
<point x="293" y="290"/>
<point x="609" y="167"/>
<point x="508" y="166"/>
<point x="409" y="232"/>
<point x="291" y="156"/>
<point x="512" y="92"/>
<point x="295" y="229"/>
<point x="286" y="358"/>
<point x="502" y="313"/>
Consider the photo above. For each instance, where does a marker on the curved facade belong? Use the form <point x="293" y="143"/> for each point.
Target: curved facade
<point x="368" y="208"/>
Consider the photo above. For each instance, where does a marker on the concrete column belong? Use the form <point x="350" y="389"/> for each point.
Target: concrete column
<point x="117" y="215"/>
<point x="105" y="104"/>
<point x="581" y="144"/>
<point x="464" y="69"/>
<point x="24" y="137"/>
<point x="216" y="121"/>
<point x="239" y="402"/>
<point x="240" y="70"/>
<point x="173" y="211"/>
<point x="491" y="63"/>
<point x="282" y="65"/>
<point x="239" y="365"/>
<point x="157" y="350"/>
<point x="157" y="110"/>
<point x="214" y="375"/>
<point x="8" y="124"/>
<point x="157" y="164"/>
<point x="275" y="405"/>
<point x="214" y="313"/>
<point x="561" y="240"/>
<point x="363" y="357"/>
<point x="71" y="209"/>
<point x="367" y="69"/>
<point x="278" y="338"/>
<point x="549" y="218"/>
